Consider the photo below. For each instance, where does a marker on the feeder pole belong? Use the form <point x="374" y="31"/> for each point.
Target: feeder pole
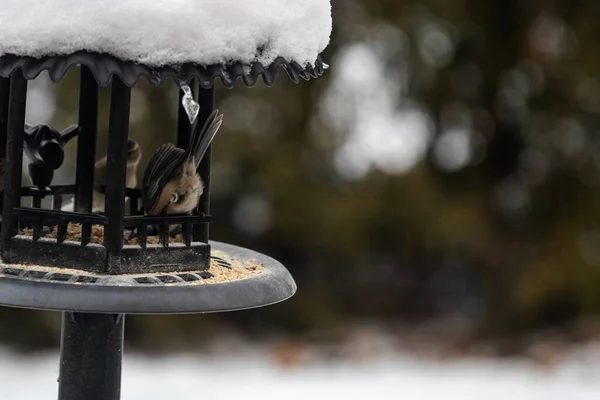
<point x="91" y="352"/>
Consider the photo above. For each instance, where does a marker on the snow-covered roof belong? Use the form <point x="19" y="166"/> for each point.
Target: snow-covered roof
<point x="168" y="32"/>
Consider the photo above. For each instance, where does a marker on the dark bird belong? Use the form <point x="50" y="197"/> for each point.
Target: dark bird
<point x="44" y="148"/>
<point x="171" y="183"/>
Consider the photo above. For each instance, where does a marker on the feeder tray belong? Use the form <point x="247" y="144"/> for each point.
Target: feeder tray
<point x="237" y="279"/>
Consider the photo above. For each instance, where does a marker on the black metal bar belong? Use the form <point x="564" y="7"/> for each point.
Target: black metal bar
<point x="58" y="189"/>
<point x="37" y="230"/>
<point x="61" y="234"/>
<point x="86" y="233"/>
<point x="133" y="205"/>
<point x="171" y="219"/>
<point x="57" y="202"/>
<point x="184" y="128"/>
<point x="4" y="101"/>
<point x="37" y="201"/>
<point x="186" y="232"/>
<point x="163" y="234"/>
<point x="206" y="99"/>
<point x="14" y="159"/>
<point x="66" y="215"/>
<point x="91" y="354"/>
<point x="116" y="166"/>
<point x="143" y="235"/>
<point x="86" y="142"/>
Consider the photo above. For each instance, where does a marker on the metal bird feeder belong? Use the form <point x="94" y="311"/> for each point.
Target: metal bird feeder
<point x="96" y="284"/>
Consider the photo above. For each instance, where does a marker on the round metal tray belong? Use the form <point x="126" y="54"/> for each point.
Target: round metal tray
<point x="36" y="287"/>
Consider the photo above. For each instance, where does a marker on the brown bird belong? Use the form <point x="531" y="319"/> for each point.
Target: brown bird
<point x="134" y="155"/>
<point x="171" y="183"/>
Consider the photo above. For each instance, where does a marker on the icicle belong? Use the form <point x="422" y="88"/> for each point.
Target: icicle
<point x="325" y="66"/>
<point x="189" y="104"/>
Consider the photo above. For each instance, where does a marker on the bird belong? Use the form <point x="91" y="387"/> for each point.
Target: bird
<point x="134" y="156"/>
<point x="171" y="183"/>
<point x="44" y="147"/>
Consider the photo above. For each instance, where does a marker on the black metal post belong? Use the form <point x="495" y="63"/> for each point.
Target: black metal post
<point x="14" y="159"/>
<point x="116" y="166"/>
<point x="91" y="353"/>
<point x="206" y="99"/>
<point x="86" y="142"/>
<point x="4" y="101"/>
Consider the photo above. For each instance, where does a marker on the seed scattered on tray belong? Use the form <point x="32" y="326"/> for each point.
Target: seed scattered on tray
<point x="97" y="235"/>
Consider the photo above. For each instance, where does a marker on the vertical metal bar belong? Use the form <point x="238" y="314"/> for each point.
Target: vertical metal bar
<point x="14" y="159"/>
<point x="186" y="232"/>
<point x="86" y="141"/>
<point x="91" y="354"/>
<point x="163" y="234"/>
<point x="206" y="99"/>
<point x="184" y="128"/>
<point x="57" y="201"/>
<point x="4" y="101"/>
<point x="86" y="233"/>
<point x="37" y="229"/>
<point x="116" y="168"/>
<point x="133" y="204"/>
<point x="61" y="233"/>
<point x="37" y="201"/>
<point x="143" y="235"/>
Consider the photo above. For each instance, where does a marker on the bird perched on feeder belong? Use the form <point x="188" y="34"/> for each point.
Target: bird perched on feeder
<point x="134" y="155"/>
<point x="44" y="147"/>
<point x="171" y="183"/>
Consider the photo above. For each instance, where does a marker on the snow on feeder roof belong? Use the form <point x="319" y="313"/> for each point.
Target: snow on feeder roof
<point x="179" y="38"/>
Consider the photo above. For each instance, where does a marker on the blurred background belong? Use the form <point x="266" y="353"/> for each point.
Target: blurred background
<point x="436" y="193"/>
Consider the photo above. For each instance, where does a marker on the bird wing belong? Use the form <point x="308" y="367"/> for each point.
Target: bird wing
<point x="159" y="171"/>
<point x="69" y="133"/>
<point x="202" y="139"/>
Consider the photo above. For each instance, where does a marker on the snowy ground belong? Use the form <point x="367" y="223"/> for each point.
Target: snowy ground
<point x="254" y="376"/>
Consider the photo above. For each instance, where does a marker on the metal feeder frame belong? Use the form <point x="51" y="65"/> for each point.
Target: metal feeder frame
<point x="105" y="282"/>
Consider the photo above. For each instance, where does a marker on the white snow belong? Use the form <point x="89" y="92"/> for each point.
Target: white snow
<point x="159" y="32"/>
<point x="253" y="376"/>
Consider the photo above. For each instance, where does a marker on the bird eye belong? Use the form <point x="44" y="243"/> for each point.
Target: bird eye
<point x="180" y="198"/>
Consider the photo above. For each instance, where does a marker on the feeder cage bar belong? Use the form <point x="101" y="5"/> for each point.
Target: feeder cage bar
<point x="86" y="142"/>
<point x="116" y="166"/>
<point x="4" y="101"/>
<point x="184" y="134"/>
<point x="90" y="357"/>
<point x="206" y="99"/>
<point x="14" y="159"/>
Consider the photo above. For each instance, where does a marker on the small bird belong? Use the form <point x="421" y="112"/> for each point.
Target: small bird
<point x="134" y="155"/>
<point x="44" y="147"/>
<point x="171" y="183"/>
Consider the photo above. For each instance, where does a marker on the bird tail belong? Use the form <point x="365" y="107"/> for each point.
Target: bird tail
<point x="201" y="139"/>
